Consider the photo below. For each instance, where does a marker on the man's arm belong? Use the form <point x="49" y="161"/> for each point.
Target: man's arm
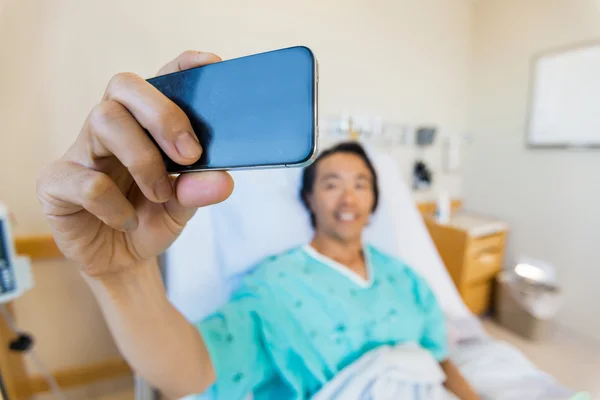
<point x="113" y="209"/>
<point x="160" y="344"/>
<point x="456" y="383"/>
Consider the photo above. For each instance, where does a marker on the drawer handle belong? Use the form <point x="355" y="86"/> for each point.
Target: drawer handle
<point x="487" y="258"/>
<point x="487" y="249"/>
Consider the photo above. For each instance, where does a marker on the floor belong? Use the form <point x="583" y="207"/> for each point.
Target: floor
<point x="573" y="360"/>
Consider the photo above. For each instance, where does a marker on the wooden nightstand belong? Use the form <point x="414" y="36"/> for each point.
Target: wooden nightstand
<point x="472" y="249"/>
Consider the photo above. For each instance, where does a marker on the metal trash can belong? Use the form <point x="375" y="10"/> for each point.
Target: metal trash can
<point x="526" y="306"/>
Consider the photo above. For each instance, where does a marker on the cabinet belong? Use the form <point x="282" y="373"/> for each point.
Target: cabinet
<point x="472" y="249"/>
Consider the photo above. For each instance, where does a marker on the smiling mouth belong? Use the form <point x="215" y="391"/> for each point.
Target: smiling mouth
<point x="346" y="216"/>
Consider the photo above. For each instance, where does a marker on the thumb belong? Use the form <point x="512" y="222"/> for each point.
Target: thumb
<point x="189" y="59"/>
<point x="196" y="190"/>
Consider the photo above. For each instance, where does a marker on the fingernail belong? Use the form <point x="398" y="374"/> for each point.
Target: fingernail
<point x="206" y="57"/>
<point x="131" y="224"/>
<point x="163" y="189"/>
<point x="208" y="176"/>
<point x="188" y="146"/>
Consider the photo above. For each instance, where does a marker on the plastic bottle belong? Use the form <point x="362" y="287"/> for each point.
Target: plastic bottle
<point x="443" y="210"/>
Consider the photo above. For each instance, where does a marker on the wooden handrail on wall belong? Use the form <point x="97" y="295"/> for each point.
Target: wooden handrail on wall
<point x="79" y="375"/>
<point x="38" y="247"/>
<point x="21" y="386"/>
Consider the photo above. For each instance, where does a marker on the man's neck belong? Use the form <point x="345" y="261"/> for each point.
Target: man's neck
<point x="346" y="252"/>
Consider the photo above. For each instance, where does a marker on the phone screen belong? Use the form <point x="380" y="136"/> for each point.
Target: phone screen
<point x="253" y="111"/>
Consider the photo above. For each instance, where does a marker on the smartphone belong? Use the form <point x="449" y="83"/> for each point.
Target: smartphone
<point x="258" y="111"/>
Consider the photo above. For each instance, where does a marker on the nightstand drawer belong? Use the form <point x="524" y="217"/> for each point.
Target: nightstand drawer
<point x="485" y="244"/>
<point x="482" y="267"/>
<point x="477" y="297"/>
<point x="483" y="258"/>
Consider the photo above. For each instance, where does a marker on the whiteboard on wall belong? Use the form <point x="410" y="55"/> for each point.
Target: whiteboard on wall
<point x="564" y="109"/>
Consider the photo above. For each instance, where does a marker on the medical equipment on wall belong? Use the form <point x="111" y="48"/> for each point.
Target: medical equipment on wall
<point x="427" y="154"/>
<point x="367" y="128"/>
<point x="16" y="278"/>
<point x="453" y="148"/>
<point x="425" y="135"/>
<point x="451" y="154"/>
<point x="422" y="176"/>
<point x="15" y="271"/>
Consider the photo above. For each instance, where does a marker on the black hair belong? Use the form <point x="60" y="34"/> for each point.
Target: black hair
<point x="310" y="173"/>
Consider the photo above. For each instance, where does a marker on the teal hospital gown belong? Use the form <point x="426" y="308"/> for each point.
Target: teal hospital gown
<point x="300" y="317"/>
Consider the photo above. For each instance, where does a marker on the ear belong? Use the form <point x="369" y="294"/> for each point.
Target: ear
<point x="308" y="199"/>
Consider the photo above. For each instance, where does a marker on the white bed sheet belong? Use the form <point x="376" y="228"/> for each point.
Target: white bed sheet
<point x="498" y="371"/>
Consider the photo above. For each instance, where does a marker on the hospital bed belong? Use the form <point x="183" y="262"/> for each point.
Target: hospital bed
<point x="264" y="216"/>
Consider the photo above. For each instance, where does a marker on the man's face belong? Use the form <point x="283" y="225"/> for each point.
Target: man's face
<point x="342" y="197"/>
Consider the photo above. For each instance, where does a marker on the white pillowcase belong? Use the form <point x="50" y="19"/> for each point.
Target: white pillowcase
<point x="262" y="217"/>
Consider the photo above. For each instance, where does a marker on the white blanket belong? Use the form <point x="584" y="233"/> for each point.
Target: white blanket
<point x="402" y="372"/>
<point x="499" y="371"/>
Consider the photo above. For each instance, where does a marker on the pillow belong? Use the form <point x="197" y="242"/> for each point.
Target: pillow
<point x="262" y="217"/>
<point x="193" y="279"/>
<point x="265" y="216"/>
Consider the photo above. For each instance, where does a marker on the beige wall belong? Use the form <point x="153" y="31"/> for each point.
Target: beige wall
<point x="406" y="60"/>
<point x="549" y="197"/>
<point x="403" y="59"/>
<point x="64" y="318"/>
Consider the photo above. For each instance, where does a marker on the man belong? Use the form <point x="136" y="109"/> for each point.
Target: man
<point x="113" y="208"/>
